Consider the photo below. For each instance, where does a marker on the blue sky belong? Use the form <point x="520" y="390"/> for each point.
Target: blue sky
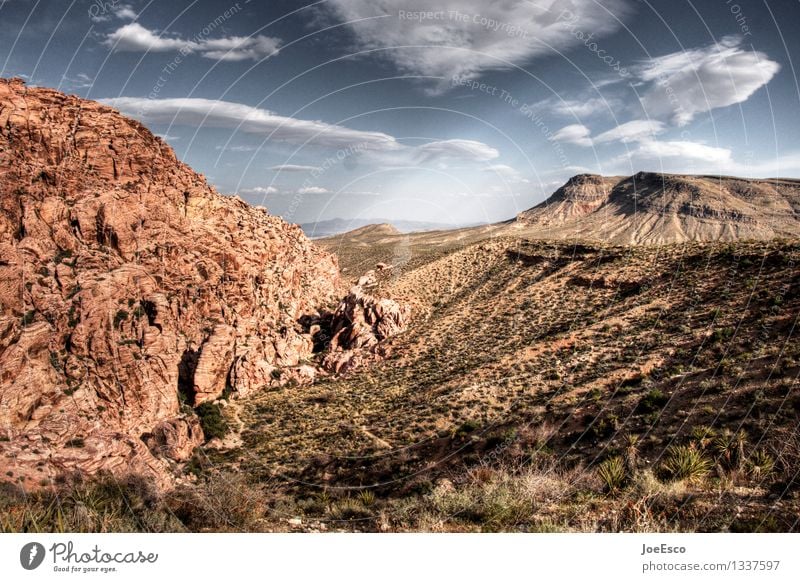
<point x="453" y="111"/>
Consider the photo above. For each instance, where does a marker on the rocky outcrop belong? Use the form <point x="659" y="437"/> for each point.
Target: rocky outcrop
<point x="124" y="280"/>
<point x="579" y="197"/>
<point x="360" y="323"/>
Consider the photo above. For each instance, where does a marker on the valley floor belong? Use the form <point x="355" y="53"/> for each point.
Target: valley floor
<point x="540" y="387"/>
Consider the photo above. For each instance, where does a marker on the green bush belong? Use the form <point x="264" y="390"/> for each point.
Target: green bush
<point x="28" y="318"/>
<point x="211" y="419"/>
<point x="654" y="400"/>
<point x="121" y="316"/>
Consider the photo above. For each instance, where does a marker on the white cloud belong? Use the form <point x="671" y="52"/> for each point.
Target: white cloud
<point x="467" y="37"/>
<point x="632" y="131"/>
<point x="293" y="168"/>
<point x="686" y="151"/>
<point x="236" y="148"/>
<point x="578" y="108"/>
<point x="647" y="148"/>
<point x="240" y="48"/>
<point x="457" y="148"/>
<point x="79" y="81"/>
<point x="260" y="190"/>
<point x="313" y="190"/>
<point x="125" y="12"/>
<point x="575" y="134"/>
<point x="638" y="130"/>
<point x="683" y="84"/>
<point x="134" y="37"/>
<point x="197" y="112"/>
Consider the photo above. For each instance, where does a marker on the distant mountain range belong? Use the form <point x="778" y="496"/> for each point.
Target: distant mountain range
<point x="646" y="208"/>
<point x="335" y="226"/>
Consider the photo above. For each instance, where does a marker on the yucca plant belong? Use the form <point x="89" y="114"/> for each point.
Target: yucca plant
<point x="703" y="435"/>
<point x="612" y="473"/>
<point x="685" y="463"/>
<point x="760" y="464"/>
<point x="729" y="446"/>
<point x="367" y="498"/>
<point x="631" y="454"/>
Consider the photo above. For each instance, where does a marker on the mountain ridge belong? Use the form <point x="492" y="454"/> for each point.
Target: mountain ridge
<point x="655" y="208"/>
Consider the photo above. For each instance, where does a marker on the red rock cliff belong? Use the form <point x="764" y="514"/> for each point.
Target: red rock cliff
<point x="124" y="276"/>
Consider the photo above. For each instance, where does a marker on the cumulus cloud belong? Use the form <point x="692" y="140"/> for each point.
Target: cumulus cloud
<point x="292" y="168"/>
<point x="643" y="134"/>
<point x="576" y="133"/>
<point x="134" y="37"/>
<point x="467" y="37"/>
<point x="683" y="84"/>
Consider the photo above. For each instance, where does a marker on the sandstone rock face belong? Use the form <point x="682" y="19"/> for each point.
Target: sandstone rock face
<point x="124" y="278"/>
<point x="360" y="323"/>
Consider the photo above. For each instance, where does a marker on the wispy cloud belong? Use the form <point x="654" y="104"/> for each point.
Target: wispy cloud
<point x="196" y="112"/>
<point x="384" y="148"/>
<point x="456" y="149"/>
<point x="313" y="190"/>
<point x="578" y="108"/>
<point x="293" y="168"/>
<point x="632" y="131"/>
<point x="507" y="173"/>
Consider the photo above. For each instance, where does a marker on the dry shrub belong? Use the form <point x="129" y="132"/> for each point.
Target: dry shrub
<point x="224" y="501"/>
